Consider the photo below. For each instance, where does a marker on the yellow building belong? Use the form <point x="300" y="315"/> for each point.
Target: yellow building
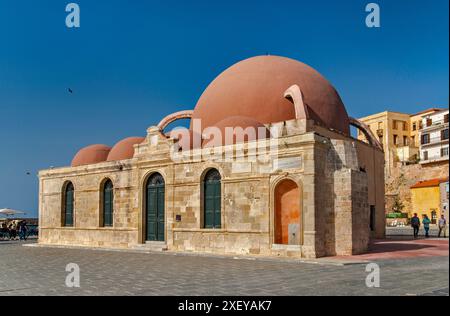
<point x="426" y="199"/>
<point x="398" y="133"/>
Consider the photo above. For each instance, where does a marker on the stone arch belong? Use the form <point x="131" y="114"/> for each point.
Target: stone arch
<point x="295" y="95"/>
<point x="174" y="117"/>
<point x="373" y="141"/>
<point x="287" y="212"/>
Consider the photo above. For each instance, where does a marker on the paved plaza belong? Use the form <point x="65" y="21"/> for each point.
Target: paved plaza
<point x="41" y="271"/>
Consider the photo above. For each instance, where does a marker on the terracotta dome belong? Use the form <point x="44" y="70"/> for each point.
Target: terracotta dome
<point x="257" y="131"/>
<point x="124" y="149"/>
<point x="91" y="155"/>
<point x="255" y="88"/>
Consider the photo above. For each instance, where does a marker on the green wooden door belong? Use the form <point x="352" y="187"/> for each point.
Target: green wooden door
<point x="212" y="200"/>
<point x="155" y="209"/>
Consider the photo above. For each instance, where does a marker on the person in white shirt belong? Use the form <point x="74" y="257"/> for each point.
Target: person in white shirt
<point x="442" y="226"/>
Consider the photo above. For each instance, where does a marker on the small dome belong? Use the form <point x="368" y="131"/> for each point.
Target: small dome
<point x="124" y="149"/>
<point x="255" y="88"/>
<point x="91" y="155"/>
<point x="244" y="129"/>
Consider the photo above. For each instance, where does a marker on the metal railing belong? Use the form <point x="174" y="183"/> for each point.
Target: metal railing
<point x="434" y="158"/>
<point x="434" y="124"/>
<point x="434" y="140"/>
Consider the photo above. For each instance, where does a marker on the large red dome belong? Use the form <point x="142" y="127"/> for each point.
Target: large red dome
<point x="250" y="130"/>
<point x="124" y="149"/>
<point x="255" y="88"/>
<point x="91" y="155"/>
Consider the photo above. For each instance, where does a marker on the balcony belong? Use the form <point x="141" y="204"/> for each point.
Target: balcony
<point x="407" y="154"/>
<point x="434" y="141"/>
<point x="433" y="125"/>
<point x="434" y="159"/>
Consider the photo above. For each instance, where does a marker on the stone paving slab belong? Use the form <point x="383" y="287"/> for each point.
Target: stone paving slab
<point x="409" y="231"/>
<point x="339" y="261"/>
<point x="41" y="271"/>
<point x="403" y="248"/>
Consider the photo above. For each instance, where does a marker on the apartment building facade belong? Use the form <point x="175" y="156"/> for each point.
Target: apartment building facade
<point x="434" y="138"/>
<point x="399" y="133"/>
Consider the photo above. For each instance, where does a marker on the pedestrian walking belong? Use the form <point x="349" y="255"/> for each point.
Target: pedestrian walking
<point x="426" y="225"/>
<point x="442" y="226"/>
<point x="23" y="230"/>
<point x="415" y="224"/>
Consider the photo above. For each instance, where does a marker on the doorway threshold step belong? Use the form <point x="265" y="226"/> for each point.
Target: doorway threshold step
<point x="286" y="247"/>
<point x="153" y="246"/>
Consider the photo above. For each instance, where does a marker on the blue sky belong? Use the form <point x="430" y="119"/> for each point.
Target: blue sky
<point x="134" y="61"/>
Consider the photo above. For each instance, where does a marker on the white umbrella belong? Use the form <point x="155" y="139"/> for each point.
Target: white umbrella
<point x="10" y="212"/>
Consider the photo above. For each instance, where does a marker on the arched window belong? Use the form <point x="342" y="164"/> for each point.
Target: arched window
<point x="108" y="204"/>
<point x="68" y="204"/>
<point x="212" y="199"/>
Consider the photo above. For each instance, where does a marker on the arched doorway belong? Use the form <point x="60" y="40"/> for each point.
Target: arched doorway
<point x="287" y="213"/>
<point x="154" y="206"/>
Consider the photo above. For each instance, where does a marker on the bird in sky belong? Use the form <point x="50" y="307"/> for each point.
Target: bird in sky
<point x="70" y="90"/>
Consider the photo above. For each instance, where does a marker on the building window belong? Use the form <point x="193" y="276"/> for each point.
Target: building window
<point x="212" y="199"/>
<point x="444" y="134"/>
<point x="434" y="217"/>
<point x="444" y="152"/>
<point x="425" y="155"/>
<point x="68" y="205"/>
<point x="413" y="140"/>
<point x="395" y="140"/>
<point x="446" y="118"/>
<point x="108" y="204"/>
<point x="405" y="140"/>
<point x="414" y="126"/>
<point x="429" y="122"/>
<point x="405" y="126"/>
<point x="372" y="217"/>
<point x="425" y="139"/>
<point x="394" y="124"/>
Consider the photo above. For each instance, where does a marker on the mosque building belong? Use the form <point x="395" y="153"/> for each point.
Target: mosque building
<point x="268" y="167"/>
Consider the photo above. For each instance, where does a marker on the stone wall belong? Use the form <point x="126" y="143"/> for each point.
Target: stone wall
<point x="342" y="204"/>
<point x="87" y="182"/>
<point x="332" y="176"/>
<point x="403" y="177"/>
